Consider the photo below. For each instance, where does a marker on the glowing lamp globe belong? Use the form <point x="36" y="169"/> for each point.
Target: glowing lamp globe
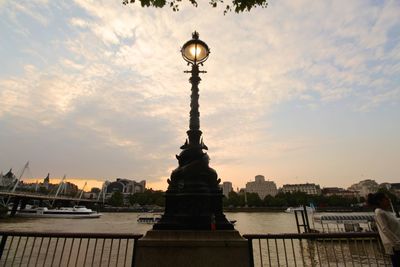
<point x="195" y="51"/>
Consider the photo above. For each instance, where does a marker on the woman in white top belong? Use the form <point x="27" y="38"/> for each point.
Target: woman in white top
<point x="388" y="225"/>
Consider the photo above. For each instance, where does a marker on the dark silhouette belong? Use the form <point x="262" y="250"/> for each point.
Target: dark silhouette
<point x="193" y="200"/>
<point x="388" y="225"/>
<point x="237" y="6"/>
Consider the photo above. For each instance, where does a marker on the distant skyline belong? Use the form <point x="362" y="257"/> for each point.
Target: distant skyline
<point x="302" y="91"/>
<point x="80" y="182"/>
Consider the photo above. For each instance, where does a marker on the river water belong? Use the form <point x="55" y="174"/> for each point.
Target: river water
<point x="290" y="252"/>
<point x="247" y="223"/>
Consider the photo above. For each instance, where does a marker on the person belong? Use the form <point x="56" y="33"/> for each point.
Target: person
<point x="388" y="226"/>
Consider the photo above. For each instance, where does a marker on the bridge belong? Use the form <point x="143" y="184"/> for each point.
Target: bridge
<point x="22" y="198"/>
<point x="9" y="194"/>
<point x="38" y="196"/>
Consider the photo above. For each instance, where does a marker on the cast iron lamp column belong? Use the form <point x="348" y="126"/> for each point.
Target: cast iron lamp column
<point x="193" y="200"/>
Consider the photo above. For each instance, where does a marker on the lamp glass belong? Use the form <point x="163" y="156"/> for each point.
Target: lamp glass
<point x="195" y="52"/>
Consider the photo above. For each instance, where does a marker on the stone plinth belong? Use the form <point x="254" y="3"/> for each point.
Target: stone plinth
<point x="192" y="248"/>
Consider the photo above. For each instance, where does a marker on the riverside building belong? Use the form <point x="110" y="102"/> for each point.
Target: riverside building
<point x="8" y="179"/>
<point x="262" y="187"/>
<point x="365" y="187"/>
<point x="309" y="189"/>
<point x="337" y="191"/>
<point x="126" y="186"/>
<point x="226" y="188"/>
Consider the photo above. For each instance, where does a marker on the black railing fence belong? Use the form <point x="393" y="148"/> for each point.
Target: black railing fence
<point x="96" y="249"/>
<point x="316" y="249"/>
<point x="67" y="249"/>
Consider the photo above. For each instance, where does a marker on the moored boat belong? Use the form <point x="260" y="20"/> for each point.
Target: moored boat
<point x="149" y="218"/>
<point x="76" y="212"/>
<point x="300" y="208"/>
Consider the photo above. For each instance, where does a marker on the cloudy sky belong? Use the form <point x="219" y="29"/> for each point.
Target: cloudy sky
<point x="303" y="91"/>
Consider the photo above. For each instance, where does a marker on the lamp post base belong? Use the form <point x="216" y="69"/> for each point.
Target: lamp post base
<point x="193" y="200"/>
<point x="193" y="212"/>
<point x="192" y="248"/>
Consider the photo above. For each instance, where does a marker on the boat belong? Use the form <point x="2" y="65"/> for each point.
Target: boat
<point x="344" y="222"/>
<point x="149" y="218"/>
<point x="152" y="218"/>
<point x="76" y="212"/>
<point x="300" y="208"/>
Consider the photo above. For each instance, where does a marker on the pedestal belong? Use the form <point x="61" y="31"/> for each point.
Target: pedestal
<point x="192" y="248"/>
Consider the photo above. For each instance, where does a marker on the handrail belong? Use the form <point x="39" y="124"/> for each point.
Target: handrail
<point x="316" y="249"/>
<point x="22" y="248"/>
<point x="72" y="234"/>
<point x="312" y="235"/>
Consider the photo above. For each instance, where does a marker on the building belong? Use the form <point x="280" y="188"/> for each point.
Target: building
<point x="126" y="186"/>
<point x="8" y="179"/>
<point x="309" y="189"/>
<point x="46" y="181"/>
<point x="226" y="188"/>
<point x="365" y="187"/>
<point x="261" y="187"/>
<point x="337" y="191"/>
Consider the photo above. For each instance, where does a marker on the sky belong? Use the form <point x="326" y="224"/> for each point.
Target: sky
<point x="302" y="91"/>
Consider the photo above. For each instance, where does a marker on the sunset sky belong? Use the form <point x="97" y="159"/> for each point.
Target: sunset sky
<point x="302" y="91"/>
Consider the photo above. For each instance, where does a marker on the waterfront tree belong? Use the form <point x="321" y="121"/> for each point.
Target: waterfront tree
<point x="390" y="195"/>
<point x="235" y="199"/>
<point x="267" y="201"/>
<point x="117" y="199"/>
<point x="95" y="190"/>
<point x="278" y="201"/>
<point x="254" y="200"/>
<point x="282" y="200"/>
<point x="148" y="197"/>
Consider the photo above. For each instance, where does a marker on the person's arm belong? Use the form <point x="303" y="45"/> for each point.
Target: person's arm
<point x="383" y="221"/>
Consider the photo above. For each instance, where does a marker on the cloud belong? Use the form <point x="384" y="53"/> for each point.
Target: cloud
<point x="377" y="99"/>
<point x="36" y="9"/>
<point x="116" y="75"/>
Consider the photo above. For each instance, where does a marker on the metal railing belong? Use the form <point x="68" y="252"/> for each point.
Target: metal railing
<point x="104" y="249"/>
<point x="67" y="249"/>
<point x="317" y="249"/>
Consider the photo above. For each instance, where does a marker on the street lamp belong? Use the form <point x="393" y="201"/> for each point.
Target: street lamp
<point x="195" y="51"/>
<point x="193" y="200"/>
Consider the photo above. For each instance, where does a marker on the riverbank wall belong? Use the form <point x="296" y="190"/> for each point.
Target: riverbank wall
<point x="240" y="209"/>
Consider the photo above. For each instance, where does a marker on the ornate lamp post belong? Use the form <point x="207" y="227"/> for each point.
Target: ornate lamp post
<point x="193" y="200"/>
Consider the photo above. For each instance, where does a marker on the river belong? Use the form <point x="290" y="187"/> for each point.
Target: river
<point x="289" y="252"/>
<point x="247" y="223"/>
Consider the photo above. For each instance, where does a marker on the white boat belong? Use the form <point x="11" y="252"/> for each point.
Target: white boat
<point x="76" y="212"/>
<point x="149" y="218"/>
<point x="291" y="209"/>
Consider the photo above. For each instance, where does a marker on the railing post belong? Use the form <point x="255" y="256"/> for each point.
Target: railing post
<point x="15" y="206"/>
<point x="307" y="223"/>
<point x="304" y="221"/>
<point x="297" y="221"/>
<point x="3" y="244"/>
<point x="251" y="256"/>
<point x="134" y="252"/>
